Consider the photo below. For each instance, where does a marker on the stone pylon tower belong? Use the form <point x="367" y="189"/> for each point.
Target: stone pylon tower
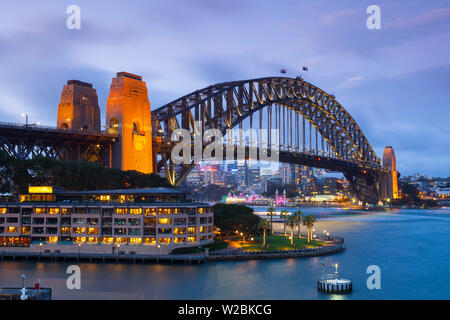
<point x="128" y="114"/>
<point x="78" y="108"/>
<point x="389" y="184"/>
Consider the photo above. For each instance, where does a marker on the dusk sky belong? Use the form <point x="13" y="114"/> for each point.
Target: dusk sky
<point x="395" y="81"/>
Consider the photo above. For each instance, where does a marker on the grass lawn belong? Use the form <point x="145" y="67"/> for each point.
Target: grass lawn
<point x="275" y="242"/>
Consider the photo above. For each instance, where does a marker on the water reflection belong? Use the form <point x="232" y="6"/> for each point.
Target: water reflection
<point x="408" y="245"/>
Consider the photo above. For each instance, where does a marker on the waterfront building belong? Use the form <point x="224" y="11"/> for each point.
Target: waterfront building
<point x="147" y="217"/>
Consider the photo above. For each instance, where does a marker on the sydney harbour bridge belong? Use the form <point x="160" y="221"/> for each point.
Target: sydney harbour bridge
<point x="314" y="129"/>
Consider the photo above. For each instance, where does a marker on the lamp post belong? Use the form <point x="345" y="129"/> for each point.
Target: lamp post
<point x="23" y="281"/>
<point x="157" y="255"/>
<point x="26" y="118"/>
<point x="40" y="250"/>
<point x="79" y="251"/>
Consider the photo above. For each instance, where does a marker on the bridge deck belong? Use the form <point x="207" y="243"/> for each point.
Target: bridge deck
<point x="22" y="131"/>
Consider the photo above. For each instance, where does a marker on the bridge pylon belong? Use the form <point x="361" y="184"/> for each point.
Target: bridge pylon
<point x="78" y="108"/>
<point x="128" y="115"/>
<point x="389" y="182"/>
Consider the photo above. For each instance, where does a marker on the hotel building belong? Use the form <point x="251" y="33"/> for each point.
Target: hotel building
<point x="152" y="217"/>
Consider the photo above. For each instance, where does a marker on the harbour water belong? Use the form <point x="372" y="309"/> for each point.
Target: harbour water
<point x="409" y="246"/>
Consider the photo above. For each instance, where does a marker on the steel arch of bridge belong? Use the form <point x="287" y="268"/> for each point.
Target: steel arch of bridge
<point x="224" y="106"/>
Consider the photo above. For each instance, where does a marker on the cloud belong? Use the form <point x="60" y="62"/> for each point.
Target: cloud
<point x="419" y="20"/>
<point x="339" y="16"/>
<point x="351" y="82"/>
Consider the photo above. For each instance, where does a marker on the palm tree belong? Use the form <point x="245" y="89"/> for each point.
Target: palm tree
<point x="308" y="221"/>
<point x="271" y="213"/>
<point x="299" y="216"/>
<point x="264" y="224"/>
<point x="291" y="222"/>
<point x="283" y="215"/>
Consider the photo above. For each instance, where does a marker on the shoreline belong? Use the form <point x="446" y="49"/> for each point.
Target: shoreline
<point x="287" y="254"/>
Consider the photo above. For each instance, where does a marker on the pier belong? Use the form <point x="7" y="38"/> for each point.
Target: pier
<point x="103" y="257"/>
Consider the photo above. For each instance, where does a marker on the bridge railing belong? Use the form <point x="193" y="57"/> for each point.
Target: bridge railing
<point x="33" y="126"/>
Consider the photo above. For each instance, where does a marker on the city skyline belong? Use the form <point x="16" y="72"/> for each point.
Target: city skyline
<point x="384" y="78"/>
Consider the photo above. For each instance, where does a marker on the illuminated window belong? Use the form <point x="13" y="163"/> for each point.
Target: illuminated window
<point x="121" y="240"/>
<point x="2" y="210"/>
<point x="80" y="240"/>
<point x="52" y="240"/>
<point x="92" y="240"/>
<point x="105" y="198"/>
<point x="79" y="230"/>
<point x="121" y="210"/>
<point x="53" y="210"/>
<point x="164" y="240"/>
<point x="135" y="240"/>
<point x="202" y="229"/>
<point x="135" y="210"/>
<point x="150" y="241"/>
<point x="163" y="211"/>
<point x="164" y="221"/>
<point x="191" y="239"/>
<point x="191" y="230"/>
<point x="66" y="210"/>
<point x="107" y="240"/>
<point x="11" y="229"/>
<point x="150" y="212"/>
<point x="200" y="210"/>
<point x="179" y="231"/>
<point x="179" y="240"/>
<point x="39" y="210"/>
<point x="26" y="230"/>
<point x="65" y="230"/>
<point x="92" y="230"/>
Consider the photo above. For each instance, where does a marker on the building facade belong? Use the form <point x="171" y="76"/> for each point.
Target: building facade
<point x="147" y="217"/>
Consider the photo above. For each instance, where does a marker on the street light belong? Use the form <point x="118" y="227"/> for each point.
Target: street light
<point x="26" y="118"/>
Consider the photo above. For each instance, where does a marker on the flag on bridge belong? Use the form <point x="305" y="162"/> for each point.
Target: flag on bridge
<point x="305" y="68"/>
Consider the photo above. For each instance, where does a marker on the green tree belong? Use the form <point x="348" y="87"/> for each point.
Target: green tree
<point x="308" y="221"/>
<point x="231" y="217"/>
<point x="291" y="222"/>
<point x="284" y="214"/>
<point x="264" y="224"/>
<point x="271" y="213"/>
<point x="71" y="175"/>
<point x="299" y="216"/>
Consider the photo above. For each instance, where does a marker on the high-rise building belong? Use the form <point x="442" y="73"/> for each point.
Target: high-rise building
<point x="231" y="174"/>
<point x="254" y="176"/>
<point x="195" y="177"/>
<point x="243" y="173"/>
